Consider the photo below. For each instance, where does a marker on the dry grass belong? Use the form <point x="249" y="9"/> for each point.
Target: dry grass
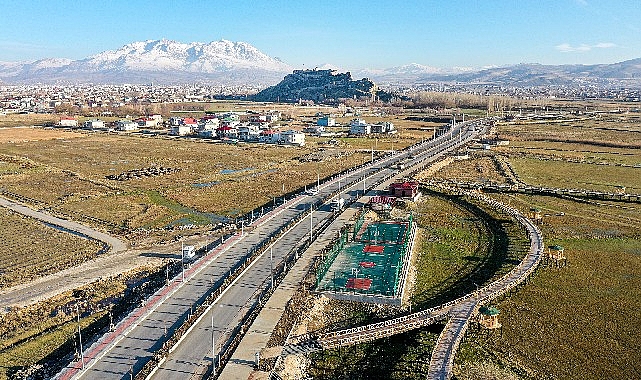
<point x="31" y="249"/>
<point x="18" y="120"/>
<point x="30" y="334"/>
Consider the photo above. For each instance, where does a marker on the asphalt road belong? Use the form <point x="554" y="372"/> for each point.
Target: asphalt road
<point x="134" y="345"/>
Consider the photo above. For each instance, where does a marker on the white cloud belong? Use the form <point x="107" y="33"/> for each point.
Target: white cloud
<point x="605" y="45"/>
<point x="567" y="48"/>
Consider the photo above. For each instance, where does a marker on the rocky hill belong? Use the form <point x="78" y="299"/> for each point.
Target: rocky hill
<point x="319" y="86"/>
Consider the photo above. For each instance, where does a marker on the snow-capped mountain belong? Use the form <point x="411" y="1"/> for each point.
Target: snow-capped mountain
<point x="159" y="61"/>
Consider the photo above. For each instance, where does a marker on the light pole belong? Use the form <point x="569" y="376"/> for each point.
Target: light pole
<point x="213" y="346"/>
<point x="82" y="357"/>
<point x="311" y="223"/>
<point x="271" y="264"/>
<point x="182" y="259"/>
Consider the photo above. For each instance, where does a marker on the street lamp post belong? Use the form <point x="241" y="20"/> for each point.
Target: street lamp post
<point x="213" y="346"/>
<point x="82" y="357"/>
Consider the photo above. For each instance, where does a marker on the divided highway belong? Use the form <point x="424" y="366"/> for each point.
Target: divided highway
<point x="124" y="352"/>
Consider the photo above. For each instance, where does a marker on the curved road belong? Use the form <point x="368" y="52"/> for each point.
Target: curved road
<point x="459" y="311"/>
<point x="50" y="285"/>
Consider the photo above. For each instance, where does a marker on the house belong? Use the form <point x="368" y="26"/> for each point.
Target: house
<point x="359" y="127"/>
<point x="314" y="129"/>
<point x="207" y="133"/>
<point x="156" y="117"/>
<point x="292" y="138"/>
<point x="227" y="132"/>
<point x="208" y="124"/>
<point x="248" y="132"/>
<point x="384" y="128"/>
<point x="191" y="123"/>
<point x="272" y="116"/>
<point x="326" y="121"/>
<point x="147" y="122"/>
<point x="269" y="136"/>
<point x="67" y="121"/>
<point x="94" y="124"/>
<point x="258" y="118"/>
<point x="126" y="126"/>
<point x="175" y="120"/>
<point x="404" y="189"/>
<point x="180" y="130"/>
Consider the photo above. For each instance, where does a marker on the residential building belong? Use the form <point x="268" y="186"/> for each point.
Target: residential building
<point x="180" y="130"/>
<point x="248" y="132"/>
<point x="66" y="121"/>
<point x="359" y="127"/>
<point x="269" y="136"/>
<point x="383" y="128"/>
<point x="126" y="125"/>
<point x="227" y="132"/>
<point x="292" y="137"/>
<point x="326" y="121"/>
<point x="94" y="124"/>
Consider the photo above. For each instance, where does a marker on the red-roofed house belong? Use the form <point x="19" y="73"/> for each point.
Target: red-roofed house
<point x="269" y="136"/>
<point x="404" y="189"/>
<point x="67" y="121"/>
<point x="227" y="132"/>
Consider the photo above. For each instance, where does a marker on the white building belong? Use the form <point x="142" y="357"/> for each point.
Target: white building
<point x="67" y="121"/>
<point x="359" y="127"/>
<point x="326" y="121"/>
<point x="383" y="128"/>
<point x="126" y="126"/>
<point x="248" y="132"/>
<point x="269" y="136"/>
<point x="180" y="130"/>
<point x="94" y="124"/>
<point x="292" y="138"/>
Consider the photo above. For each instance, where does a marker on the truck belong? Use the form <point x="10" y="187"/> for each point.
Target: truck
<point x="337" y="204"/>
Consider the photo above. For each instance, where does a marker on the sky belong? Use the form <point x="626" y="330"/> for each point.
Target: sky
<point x="349" y="34"/>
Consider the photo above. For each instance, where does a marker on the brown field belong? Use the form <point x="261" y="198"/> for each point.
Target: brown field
<point x="30" y="249"/>
<point x="576" y="322"/>
<point x="17" y="120"/>
<point x="20" y="135"/>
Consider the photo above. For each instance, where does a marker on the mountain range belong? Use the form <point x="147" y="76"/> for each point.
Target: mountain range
<point x="158" y="61"/>
<point x="239" y="63"/>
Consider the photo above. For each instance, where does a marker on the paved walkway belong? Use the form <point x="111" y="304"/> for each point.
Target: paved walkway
<point x="48" y="286"/>
<point x="241" y="364"/>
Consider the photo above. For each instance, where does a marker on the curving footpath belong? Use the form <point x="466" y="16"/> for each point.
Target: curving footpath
<point x="459" y="311"/>
<point x="115" y="244"/>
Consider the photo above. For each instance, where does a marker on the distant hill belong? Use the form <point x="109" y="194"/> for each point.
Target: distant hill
<point x="627" y="74"/>
<point x="239" y="63"/>
<point x="159" y="61"/>
<point x="319" y="86"/>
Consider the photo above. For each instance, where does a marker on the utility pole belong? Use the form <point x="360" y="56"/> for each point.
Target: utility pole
<point x="213" y="347"/>
<point x="271" y="264"/>
<point x="311" y="223"/>
<point x="317" y="181"/>
<point x="82" y="356"/>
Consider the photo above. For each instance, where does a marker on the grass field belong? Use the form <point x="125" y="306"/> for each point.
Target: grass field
<point x="460" y="245"/>
<point x="576" y="322"/>
<point x="39" y="250"/>
<point x="47" y="330"/>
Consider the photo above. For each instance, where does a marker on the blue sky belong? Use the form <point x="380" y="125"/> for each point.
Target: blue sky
<point x="350" y="34"/>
